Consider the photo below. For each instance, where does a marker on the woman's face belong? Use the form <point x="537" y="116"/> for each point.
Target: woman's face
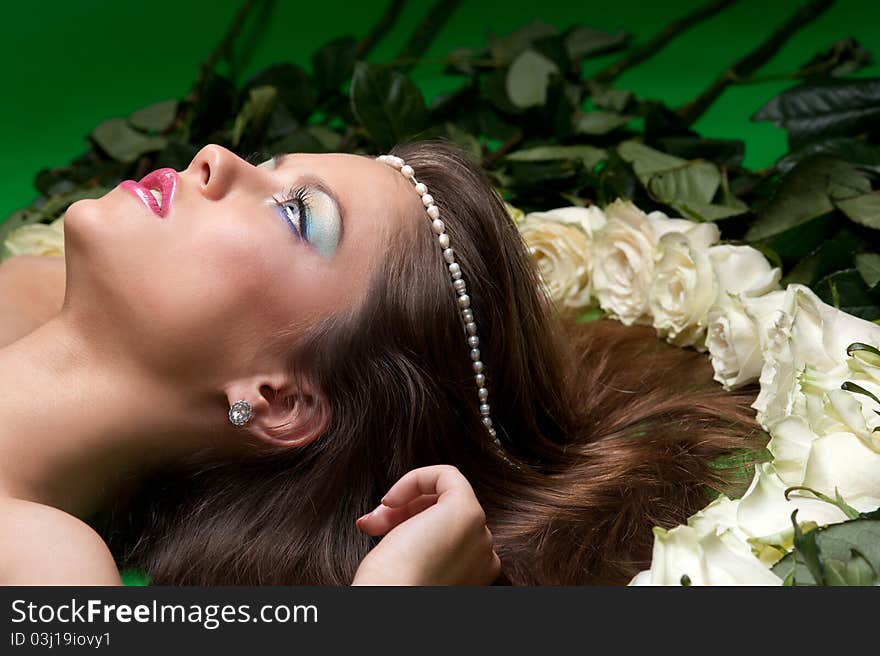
<point x="243" y="253"/>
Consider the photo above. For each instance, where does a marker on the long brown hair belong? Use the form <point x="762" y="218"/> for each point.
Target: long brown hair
<point x="611" y="431"/>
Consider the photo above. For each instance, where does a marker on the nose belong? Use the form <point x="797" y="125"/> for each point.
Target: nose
<point x="215" y="170"/>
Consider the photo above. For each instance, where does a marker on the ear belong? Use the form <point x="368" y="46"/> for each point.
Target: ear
<point x="285" y="413"/>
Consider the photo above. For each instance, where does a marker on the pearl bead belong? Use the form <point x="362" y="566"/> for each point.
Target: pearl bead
<point x="473" y="341"/>
<point x="458" y="284"/>
<point x="434" y="212"/>
<point x="444" y="240"/>
<point x="407" y="170"/>
<point x="449" y="255"/>
<point x="456" y="275"/>
<point x="468" y="316"/>
<point x="421" y="189"/>
<point x="481" y="380"/>
<point x="484" y="410"/>
<point x="483" y="393"/>
<point x="492" y="433"/>
<point x="475" y="354"/>
<point x="427" y="200"/>
<point x="454" y="268"/>
<point x="438" y="226"/>
<point x="487" y="422"/>
<point x="462" y="291"/>
<point x="471" y="328"/>
<point x="464" y="301"/>
<point x="478" y="367"/>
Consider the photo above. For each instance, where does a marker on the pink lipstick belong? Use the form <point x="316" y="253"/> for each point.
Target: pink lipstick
<point x="155" y="190"/>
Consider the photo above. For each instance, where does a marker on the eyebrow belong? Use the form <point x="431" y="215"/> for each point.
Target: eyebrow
<point x="321" y="185"/>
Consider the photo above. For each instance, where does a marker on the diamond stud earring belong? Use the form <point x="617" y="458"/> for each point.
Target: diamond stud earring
<point x="240" y="413"/>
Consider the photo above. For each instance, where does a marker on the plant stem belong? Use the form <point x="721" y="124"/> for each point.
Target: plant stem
<point x="427" y="30"/>
<point x="492" y="158"/>
<point x="222" y="49"/>
<point x="744" y="67"/>
<point x="386" y="20"/>
<point x="656" y="44"/>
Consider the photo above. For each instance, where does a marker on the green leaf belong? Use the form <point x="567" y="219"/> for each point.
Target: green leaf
<point x="847" y="291"/>
<point x="387" y="104"/>
<point x="807" y="192"/>
<point x="122" y="142"/>
<point x="582" y="41"/>
<point x="333" y="63"/>
<point x="864" y="209"/>
<point x="832" y="254"/>
<point x="609" y="98"/>
<point x="589" y="155"/>
<point x="156" y="117"/>
<point x="806" y="547"/>
<point x="868" y="266"/>
<point x="855" y="541"/>
<point x="254" y="114"/>
<point x="598" y="123"/>
<point x="293" y="86"/>
<point x="688" y="186"/>
<point x="464" y="139"/>
<point x="825" y="109"/>
<point x="528" y="78"/>
<point x="854" y="151"/>
<point x="506" y="48"/>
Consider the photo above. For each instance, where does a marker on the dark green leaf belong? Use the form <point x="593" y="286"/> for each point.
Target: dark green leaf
<point x="214" y="107"/>
<point x="122" y="142"/>
<point x="582" y="41"/>
<point x="826" y="109"/>
<point x="387" y="104"/>
<point x="868" y="266"/>
<point x="832" y="255"/>
<point x="864" y="209"/>
<point x="843" y="57"/>
<point x="806" y="193"/>
<point x="847" y="291"/>
<point x="506" y="48"/>
<point x="333" y="63"/>
<point x="156" y="117"/>
<point x="464" y="139"/>
<point x="293" y="86"/>
<point x="854" y="151"/>
<point x="528" y="78"/>
<point x="723" y="152"/>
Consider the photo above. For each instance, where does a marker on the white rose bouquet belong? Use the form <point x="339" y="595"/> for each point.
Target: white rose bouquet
<point x="819" y="375"/>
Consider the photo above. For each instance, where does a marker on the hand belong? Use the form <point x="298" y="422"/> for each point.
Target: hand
<point x="435" y="533"/>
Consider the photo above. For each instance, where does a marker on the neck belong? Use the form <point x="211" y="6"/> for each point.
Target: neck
<point x="80" y="420"/>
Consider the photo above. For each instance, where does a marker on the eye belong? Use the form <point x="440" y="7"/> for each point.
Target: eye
<point x="313" y="217"/>
<point x="295" y="211"/>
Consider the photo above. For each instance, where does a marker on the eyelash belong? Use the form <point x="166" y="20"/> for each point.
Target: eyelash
<point x="300" y="196"/>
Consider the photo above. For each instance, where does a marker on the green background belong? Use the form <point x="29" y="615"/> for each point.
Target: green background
<point x="70" y="65"/>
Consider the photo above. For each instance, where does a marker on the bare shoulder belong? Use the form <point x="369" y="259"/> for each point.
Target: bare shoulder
<point x="41" y="545"/>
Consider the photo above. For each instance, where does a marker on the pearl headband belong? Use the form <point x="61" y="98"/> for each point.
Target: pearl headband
<point x="458" y="283"/>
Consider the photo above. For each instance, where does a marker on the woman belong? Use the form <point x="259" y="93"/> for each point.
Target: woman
<point x="313" y="288"/>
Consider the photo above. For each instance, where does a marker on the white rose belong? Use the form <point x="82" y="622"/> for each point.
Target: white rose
<point x="684" y="286"/>
<point x="623" y="258"/>
<point x="806" y="333"/>
<point x="710" y="550"/>
<point x="843" y="462"/>
<point x="37" y="239"/>
<point x="736" y="334"/>
<point x="764" y="510"/>
<point x="743" y="270"/>
<point x="559" y="242"/>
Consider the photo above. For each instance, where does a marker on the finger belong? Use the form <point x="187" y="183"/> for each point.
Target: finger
<point x="436" y="479"/>
<point x="383" y="518"/>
